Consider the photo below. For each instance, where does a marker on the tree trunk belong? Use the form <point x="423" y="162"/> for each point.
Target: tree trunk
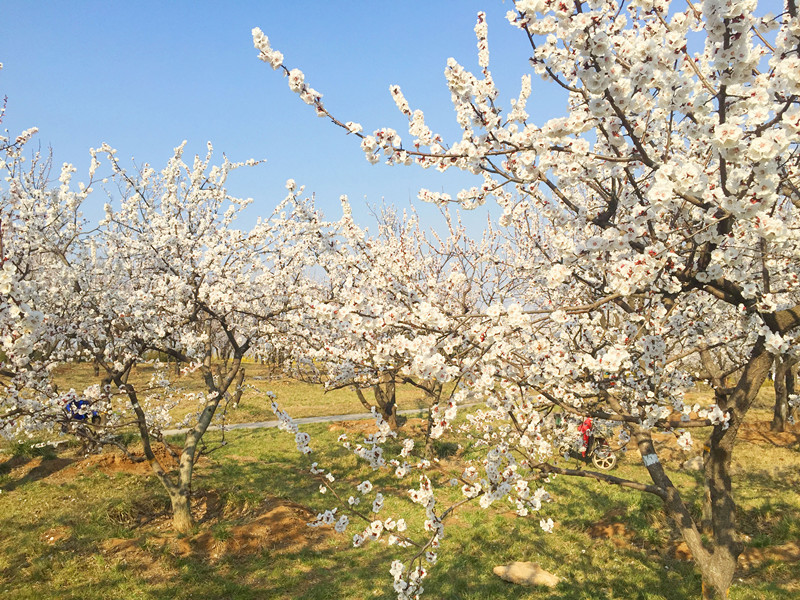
<point x="180" y="491"/>
<point x="718" y="573"/>
<point x="390" y="414"/>
<point x="717" y="558"/>
<point x="706" y="518"/>
<point x="791" y="374"/>
<point x="181" y="515"/>
<point x="182" y="520"/>
<point x="362" y="398"/>
<point x="428" y="451"/>
<point x="784" y="386"/>
<point x="717" y="565"/>
<point x="385" y="399"/>
<point x="238" y="388"/>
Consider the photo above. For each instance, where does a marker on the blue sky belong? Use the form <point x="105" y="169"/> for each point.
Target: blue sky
<point x="143" y="76"/>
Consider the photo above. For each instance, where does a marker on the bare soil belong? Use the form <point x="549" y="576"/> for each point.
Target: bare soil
<point x="759" y="433"/>
<point x="71" y="464"/>
<point x="617" y="533"/>
<point x="278" y="526"/>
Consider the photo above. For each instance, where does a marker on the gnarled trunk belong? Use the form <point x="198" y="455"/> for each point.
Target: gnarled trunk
<point x="179" y="495"/>
<point x="717" y="571"/>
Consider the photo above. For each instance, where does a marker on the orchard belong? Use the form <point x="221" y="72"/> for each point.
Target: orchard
<point x="644" y="246"/>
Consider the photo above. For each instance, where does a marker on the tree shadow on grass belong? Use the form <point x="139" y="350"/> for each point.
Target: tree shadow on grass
<point x="467" y="572"/>
<point x="783" y="479"/>
<point x="588" y="569"/>
<point x="44" y="468"/>
<point x="302" y="575"/>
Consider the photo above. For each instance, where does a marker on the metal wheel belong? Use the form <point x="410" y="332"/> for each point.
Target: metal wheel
<point x="604" y="459"/>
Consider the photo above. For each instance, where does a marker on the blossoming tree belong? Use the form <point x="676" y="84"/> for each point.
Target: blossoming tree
<point x="43" y="251"/>
<point x="393" y="309"/>
<point x="670" y="188"/>
<point x="167" y="271"/>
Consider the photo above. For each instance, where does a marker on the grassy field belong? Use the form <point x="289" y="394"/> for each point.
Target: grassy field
<point x="303" y="399"/>
<point x="98" y="527"/>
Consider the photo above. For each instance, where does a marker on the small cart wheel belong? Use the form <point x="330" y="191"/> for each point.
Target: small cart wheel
<point x="604" y="459"/>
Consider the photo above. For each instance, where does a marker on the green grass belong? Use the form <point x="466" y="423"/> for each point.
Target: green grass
<point x="56" y="518"/>
<point x="300" y="399"/>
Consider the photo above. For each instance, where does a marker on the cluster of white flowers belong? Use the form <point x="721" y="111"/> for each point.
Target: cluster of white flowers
<point x="685" y="441"/>
<point x="266" y="53"/>
<point x="286" y="423"/>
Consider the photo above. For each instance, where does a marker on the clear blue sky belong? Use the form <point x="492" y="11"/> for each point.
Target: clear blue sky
<point x="143" y="76"/>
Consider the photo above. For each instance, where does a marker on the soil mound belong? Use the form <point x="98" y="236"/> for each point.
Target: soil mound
<point x="609" y="528"/>
<point x="112" y="463"/>
<point x="278" y="527"/>
<point x="760" y="433"/>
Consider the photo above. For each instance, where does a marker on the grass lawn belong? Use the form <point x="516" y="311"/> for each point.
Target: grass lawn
<point x="98" y="528"/>
<point x="300" y="399"/>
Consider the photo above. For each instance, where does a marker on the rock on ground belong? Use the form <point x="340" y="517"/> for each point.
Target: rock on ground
<point x="693" y="464"/>
<point x="526" y="573"/>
